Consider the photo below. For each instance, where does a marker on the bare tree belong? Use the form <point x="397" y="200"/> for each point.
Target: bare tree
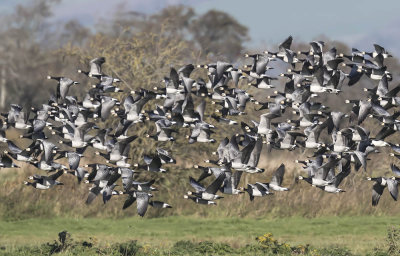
<point x="21" y="48"/>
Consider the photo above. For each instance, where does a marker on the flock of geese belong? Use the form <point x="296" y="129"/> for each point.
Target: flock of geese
<point x="65" y="127"/>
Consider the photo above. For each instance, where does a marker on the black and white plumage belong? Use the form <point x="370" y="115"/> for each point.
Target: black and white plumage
<point x="277" y="179"/>
<point x="208" y="193"/>
<point x="292" y="118"/>
<point x="44" y="182"/>
<point x="379" y="186"/>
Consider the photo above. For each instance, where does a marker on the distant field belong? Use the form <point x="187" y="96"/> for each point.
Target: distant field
<point x="360" y="234"/>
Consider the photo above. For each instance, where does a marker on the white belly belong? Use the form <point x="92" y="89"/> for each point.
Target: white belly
<point x="207" y="196"/>
<point x="319" y="182"/>
<point x="305" y="123"/>
<point x="257" y="193"/>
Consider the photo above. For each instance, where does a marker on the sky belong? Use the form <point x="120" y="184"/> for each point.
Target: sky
<point x="358" y="23"/>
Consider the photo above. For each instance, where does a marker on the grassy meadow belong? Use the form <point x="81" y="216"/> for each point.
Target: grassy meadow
<point x="361" y="234"/>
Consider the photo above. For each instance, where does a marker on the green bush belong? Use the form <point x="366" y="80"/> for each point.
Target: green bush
<point x="335" y="250"/>
<point x="126" y="249"/>
<point x="393" y="242"/>
<point x="271" y="245"/>
<point x="378" y="252"/>
<point x="202" y="248"/>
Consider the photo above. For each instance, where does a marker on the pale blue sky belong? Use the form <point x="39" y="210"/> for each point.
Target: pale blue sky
<point x="359" y="23"/>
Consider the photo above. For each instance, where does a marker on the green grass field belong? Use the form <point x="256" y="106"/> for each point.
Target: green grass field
<point x="360" y="234"/>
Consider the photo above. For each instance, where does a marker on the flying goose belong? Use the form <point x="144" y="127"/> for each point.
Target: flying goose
<point x="379" y="50"/>
<point x="96" y="189"/>
<point x="152" y="164"/>
<point x="318" y="175"/>
<point x="277" y="178"/>
<point x="250" y="157"/>
<point x="92" y="99"/>
<point x="376" y="73"/>
<point x="106" y="86"/>
<point x="285" y="45"/>
<point x="335" y="121"/>
<point x="264" y="126"/>
<point x="144" y="186"/>
<point x="119" y="151"/>
<point x="186" y="70"/>
<point x="157" y="114"/>
<point x="258" y="68"/>
<point x="198" y="200"/>
<point x="78" y="136"/>
<point x="107" y="103"/>
<point x="165" y="156"/>
<point x="21" y="122"/>
<point x="201" y="88"/>
<point x="172" y="83"/>
<point x="47" y="166"/>
<point x="288" y="142"/>
<point x="18" y="154"/>
<point x="395" y="169"/>
<point x="342" y="140"/>
<point x="380" y="184"/>
<point x="313" y="132"/>
<point x="379" y="140"/>
<point x="133" y="107"/>
<point x="100" y="140"/>
<point x="99" y="172"/>
<point x="12" y="115"/>
<point x="208" y="193"/>
<point x="108" y="192"/>
<point x="79" y="173"/>
<point x="126" y="177"/>
<point x="163" y="130"/>
<point x="44" y="182"/>
<point x="95" y="67"/>
<point x="121" y="132"/>
<point x="63" y="85"/>
<point x="355" y="74"/>
<point x="264" y="82"/>
<point x="315" y="48"/>
<point x="3" y="128"/>
<point x="231" y="182"/>
<point x="49" y="149"/>
<point x="201" y="133"/>
<point x="74" y="158"/>
<point x="257" y="190"/>
<point x="142" y="201"/>
<point x="344" y="171"/>
<point x="159" y="204"/>
<point x="208" y="171"/>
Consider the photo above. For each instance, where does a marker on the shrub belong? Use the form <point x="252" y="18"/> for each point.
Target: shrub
<point x="202" y="248"/>
<point x="126" y="249"/>
<point x="271" y="244"/>
<point x="392" y="239"/>
<point x="335" y="250"/>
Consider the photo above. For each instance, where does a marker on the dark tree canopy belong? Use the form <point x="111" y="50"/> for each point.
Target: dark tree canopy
<point x="220" y="34"/>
